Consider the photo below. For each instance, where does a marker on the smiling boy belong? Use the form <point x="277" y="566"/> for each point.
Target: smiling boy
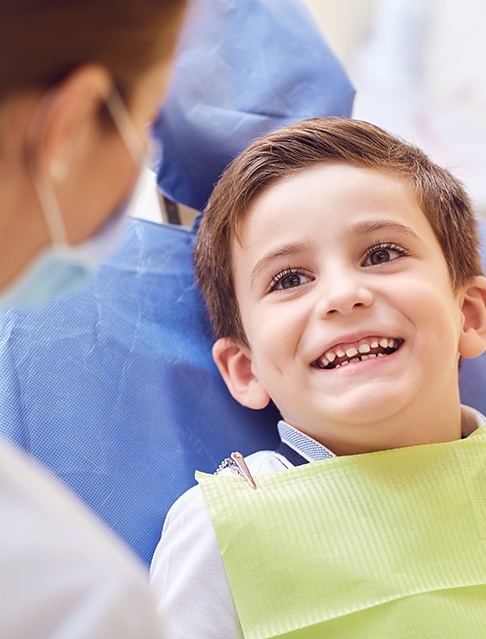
<point x="341" y="271"/>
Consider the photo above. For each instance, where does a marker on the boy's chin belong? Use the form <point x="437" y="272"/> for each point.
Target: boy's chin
<point x="371" y="420"/>
<point x="365" y="407"/>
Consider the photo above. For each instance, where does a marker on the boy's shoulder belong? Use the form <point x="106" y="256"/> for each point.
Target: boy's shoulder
<point x="188" y="555"/>
<point x="263" y="461"/>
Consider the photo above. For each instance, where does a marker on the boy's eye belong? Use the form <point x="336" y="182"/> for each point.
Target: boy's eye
<point x="290" y="278"/>
<point x="383" y="253"/>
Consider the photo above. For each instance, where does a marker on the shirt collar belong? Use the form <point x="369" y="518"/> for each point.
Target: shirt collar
<point x="305" y="446"/>
<point x="471" y="420"/>
<point x="311" y="450"/>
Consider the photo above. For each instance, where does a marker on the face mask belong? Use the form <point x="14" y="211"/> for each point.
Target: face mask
<point x="62" y="268"/>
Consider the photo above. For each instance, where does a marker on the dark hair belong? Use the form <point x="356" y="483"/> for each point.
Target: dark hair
<point x="41" y="41"/>
<point x="304" y="145"/>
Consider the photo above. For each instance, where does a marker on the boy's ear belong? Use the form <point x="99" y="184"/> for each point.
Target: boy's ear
<point x="235" y="365"/>
<point x="473" y="336"/>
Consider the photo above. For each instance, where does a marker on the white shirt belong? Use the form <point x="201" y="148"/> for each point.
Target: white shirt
<point x="187" y="572"/>
<point x="62" y="574"/>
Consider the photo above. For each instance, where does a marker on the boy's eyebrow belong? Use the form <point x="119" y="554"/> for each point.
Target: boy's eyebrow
<point x="282" y="251"/>
<point x="371" y="226"/>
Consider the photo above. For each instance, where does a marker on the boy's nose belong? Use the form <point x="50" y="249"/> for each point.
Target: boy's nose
<point x="342" y="295"/>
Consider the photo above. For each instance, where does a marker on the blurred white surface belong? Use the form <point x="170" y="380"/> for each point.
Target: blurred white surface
<point x="145" y="202"/>
<point x="418" y="67"/>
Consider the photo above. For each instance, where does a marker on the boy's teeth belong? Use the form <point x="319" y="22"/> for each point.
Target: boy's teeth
<point x="363" y="351"/>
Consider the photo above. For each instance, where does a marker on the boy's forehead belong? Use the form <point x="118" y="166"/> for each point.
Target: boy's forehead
<point x="347" y="181"/>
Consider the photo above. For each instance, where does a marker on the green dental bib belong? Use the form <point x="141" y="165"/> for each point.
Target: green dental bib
<point x="383" y="545"/>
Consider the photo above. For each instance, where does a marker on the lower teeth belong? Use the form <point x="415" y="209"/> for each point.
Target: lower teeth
<point x="359" y="359"/>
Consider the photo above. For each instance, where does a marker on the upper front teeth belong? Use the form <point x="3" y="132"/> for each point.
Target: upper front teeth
<point x="363" y="349"/>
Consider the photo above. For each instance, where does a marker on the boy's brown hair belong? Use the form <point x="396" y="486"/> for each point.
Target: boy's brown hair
<point x="301" y="146"/>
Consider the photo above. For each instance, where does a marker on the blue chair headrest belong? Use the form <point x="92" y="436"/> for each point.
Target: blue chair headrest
<point x="243" y="68"/>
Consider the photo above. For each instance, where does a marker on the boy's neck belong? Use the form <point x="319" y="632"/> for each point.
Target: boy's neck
<point x="434" y="426"/>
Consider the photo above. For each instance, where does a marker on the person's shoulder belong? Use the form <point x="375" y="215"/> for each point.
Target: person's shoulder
<point x="187" y="574"/>
<point x="190" y="505"/>
<point x="263" y="461"/>
<point x="188" y="555"/>
<point x="267" y="461"/>
<point x="92" y="576"/>
<point x="191" y="501"/>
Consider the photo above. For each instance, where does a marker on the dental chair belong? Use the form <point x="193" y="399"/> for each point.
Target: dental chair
<point x="113" y="388"/>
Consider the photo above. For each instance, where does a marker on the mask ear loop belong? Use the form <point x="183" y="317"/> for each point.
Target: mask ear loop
<point x="125" y="126"/>
<point x="46" y="195"/>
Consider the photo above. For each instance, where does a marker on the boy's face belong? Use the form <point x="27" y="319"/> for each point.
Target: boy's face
<point x="345" y="298"/>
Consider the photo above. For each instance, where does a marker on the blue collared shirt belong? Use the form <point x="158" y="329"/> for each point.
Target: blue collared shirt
<point x="302" y="445"/>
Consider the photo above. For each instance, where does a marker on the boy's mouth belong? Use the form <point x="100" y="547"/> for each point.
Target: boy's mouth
<point x="366" y="348"/>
